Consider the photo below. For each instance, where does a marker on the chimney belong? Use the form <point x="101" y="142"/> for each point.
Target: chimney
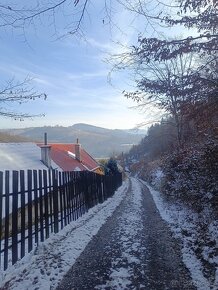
<point x="45" y="152"/>
<point x="78" y="150"/>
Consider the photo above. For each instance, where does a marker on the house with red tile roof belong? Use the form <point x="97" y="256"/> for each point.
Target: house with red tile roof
<point x="69" y="157"/>
<point x="64" y="157"/>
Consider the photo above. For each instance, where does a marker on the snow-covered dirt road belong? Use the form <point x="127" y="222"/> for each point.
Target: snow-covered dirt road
<point x="134" y="249"/>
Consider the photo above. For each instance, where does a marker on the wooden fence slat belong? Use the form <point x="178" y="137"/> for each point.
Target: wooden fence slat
<point x="71" y="194"/>
<point x="101" y="189"/>
<point x="36" y="206"/>
<point x="61" y="199"/>
<point x="55" y="200"/>
<point x="86" y="195"/>
<point x="46" y="216"/>
<point x="15" y="217"/>
<point x="30" y="210"/>
<point x="50" y="188"/>
<point x="6" y="239"/>
<point x="41" y="207"/>
<point x="93" y="191"/>
<point x="64" y="207"/>
<point x="77" y="188"/>
<point x="82" y="205"/>
<point x="1" y="197"/>
<point x="81" y="195"/>
<point x="77" y="185"/>
<point x="23" y="213"/>
<point x="67" y="197"/>
<point x="74" y="185"/>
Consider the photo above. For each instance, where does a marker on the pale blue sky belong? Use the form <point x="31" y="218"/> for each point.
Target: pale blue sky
<point x="72" y="70"/>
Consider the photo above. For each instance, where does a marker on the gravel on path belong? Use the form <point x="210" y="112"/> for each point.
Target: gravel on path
<point x="134" y="249"/>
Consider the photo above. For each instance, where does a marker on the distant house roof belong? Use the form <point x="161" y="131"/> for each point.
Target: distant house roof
<point x="64" y="155"/>
<point x="21" y="156"/>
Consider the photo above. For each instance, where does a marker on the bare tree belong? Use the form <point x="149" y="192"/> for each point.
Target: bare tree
<point x="166" y="85"/>
<point x="17" y="93"/>
<point x="177" y="72"/>
<point x="20" y="16"/>
<point x="200" y="16"/>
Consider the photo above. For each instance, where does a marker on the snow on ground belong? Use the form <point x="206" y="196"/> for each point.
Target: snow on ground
<point x="182" y="220"/>
<point x="130" y="227"/>
<point x="46" y="265"/>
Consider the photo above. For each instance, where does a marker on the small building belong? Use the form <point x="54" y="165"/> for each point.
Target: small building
<point x="21" y="156"/>
<point x="69" y="157"/>
<point x="63" y="157"/>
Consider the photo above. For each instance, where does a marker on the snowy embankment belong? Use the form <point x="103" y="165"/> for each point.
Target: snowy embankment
<point x="183" y="223"/>
<point x="45" y="266"/>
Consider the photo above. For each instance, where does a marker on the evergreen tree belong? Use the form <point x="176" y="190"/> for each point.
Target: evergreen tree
<point x="111" y="166"/>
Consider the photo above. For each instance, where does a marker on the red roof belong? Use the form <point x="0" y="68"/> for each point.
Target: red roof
<point x="64" y="156"/>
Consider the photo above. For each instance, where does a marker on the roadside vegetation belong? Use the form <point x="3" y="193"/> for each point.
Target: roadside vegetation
<point x="186" y="175"/>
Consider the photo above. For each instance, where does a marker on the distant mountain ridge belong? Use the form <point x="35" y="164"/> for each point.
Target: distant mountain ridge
<point x="98" y="141"/>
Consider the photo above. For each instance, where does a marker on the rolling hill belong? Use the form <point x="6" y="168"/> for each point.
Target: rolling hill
<point x="99" y="142"/>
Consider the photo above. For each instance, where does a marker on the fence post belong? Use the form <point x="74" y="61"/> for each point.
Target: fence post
<point x="55" y="200"/>
<point x="30" y="211"/>
<point x="46" y="216"/>
<point x="7" y="191"/>
<point x="35" y="182"/>
<point x="41" y="207"/>
<point x="23" y="214"/>
<point x="86" y="192"/>
<point x="15" y="217"/>
<point x="66" y="189"/>
<point x="50" y="199"/>
<point x="1" y="192"/>
<point x="62" y="200"/>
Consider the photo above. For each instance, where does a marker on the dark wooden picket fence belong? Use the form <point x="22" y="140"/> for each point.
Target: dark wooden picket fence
<point x="36" y="203"/>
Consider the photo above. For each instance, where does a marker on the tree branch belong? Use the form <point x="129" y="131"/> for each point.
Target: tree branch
<point x="18" y="92"/>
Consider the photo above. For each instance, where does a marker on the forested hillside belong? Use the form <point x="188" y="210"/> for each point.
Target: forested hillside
<point x="6" y="138"/>
<point x="186" y="176"/>
<point x="189" y="171"/>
